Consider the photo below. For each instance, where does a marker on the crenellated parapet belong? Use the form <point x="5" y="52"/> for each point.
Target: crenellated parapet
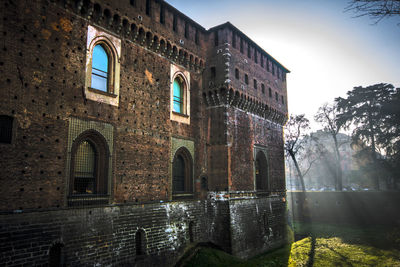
<point x="231" y="98"/>
<point x="133" y="29"/>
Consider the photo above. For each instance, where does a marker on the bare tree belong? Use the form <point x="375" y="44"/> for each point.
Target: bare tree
<point x="375" y="9"/>
<point x="326" y="116"/>
<point x="295" y="139"/>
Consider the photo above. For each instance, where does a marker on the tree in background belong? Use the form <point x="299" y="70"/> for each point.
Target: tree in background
<point x="390" y="137"/>
<point x="363" y="108"/>
<point x="295" y="137"/>
<point x="375" y="9"/>
<point x="327" y="117"/>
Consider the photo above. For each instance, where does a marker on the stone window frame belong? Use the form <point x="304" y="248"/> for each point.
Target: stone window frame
<point x="112" y="45"/>
<point x="183" y="117"/>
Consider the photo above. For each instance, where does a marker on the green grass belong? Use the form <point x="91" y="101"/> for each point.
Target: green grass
<point x="326" y="245"/>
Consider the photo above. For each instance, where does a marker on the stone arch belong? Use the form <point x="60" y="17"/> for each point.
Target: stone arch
<point x="125" y="26"/>
<point x="149" y="39"/>
<point x="116" y="22"/>
<point x="162" y="46"/>
<point x="141" y="36"/>
<point x="107" y="17"/>
<point x="97" y="12"/>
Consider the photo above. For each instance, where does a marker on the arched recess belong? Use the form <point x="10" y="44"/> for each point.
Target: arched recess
<point x="57" y="255"/>
<point x="261" y="170"/>
<point x="140" y="243"/>
<point x="182" y="172"/>
<point x="89" y="165"/>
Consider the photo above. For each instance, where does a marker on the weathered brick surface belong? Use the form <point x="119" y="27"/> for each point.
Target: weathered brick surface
<point x="265" y="225"/>
<point x="42" y="86"/>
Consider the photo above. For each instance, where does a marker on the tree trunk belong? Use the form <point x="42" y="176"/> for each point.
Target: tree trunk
<point x="339" y="172"/>
<point x="299" y="174"/>
<point x="374" y="157"/>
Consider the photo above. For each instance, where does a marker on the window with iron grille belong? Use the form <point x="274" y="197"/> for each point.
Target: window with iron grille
<point x="89" y="169"/>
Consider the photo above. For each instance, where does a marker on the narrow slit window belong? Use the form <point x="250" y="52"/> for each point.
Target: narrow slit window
<point x="255" y="84"/>
<point x="246" y="79"/>
<point x="6" y="125"/>
<point x="186" y="30"/>
<point x="262" y="88"/>
<point x="237" y="74"/>
<point x="148" y="7"/>
<point x="174" y="23"/>
<point x="270" y="92"/>
<point x="99" y="68"/>
<point x="162" y="14"/>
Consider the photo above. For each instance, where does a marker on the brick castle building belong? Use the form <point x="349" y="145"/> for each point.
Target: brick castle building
<point x="129" y="133"/>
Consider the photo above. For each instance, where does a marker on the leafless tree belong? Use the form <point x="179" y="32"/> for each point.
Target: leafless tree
<point x="326" y="116"/>
<point x="375" y="9"/>
<point x="295" y="139"/>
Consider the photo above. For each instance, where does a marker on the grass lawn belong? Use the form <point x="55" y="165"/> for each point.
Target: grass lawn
<point x="322" y="245"/>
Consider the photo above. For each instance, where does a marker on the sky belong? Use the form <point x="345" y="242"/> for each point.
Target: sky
<point x="327" y="50"/>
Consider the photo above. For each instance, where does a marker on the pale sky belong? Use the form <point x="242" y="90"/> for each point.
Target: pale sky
<point x="327" y="50"/>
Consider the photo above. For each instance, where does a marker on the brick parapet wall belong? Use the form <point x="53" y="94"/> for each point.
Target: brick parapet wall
<point x="106" y="235"/>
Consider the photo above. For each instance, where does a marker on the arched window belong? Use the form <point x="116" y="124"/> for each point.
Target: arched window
<point x="100" y="68"/>
<point x="89" y="167"/>
<point x="102" y="79"/>
<point x="261" y="171"/>
<point x="182" y="182"/>
<point x="178" y="95"/>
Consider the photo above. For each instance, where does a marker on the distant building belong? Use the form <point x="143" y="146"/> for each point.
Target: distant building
<point x="129" y="132"/>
